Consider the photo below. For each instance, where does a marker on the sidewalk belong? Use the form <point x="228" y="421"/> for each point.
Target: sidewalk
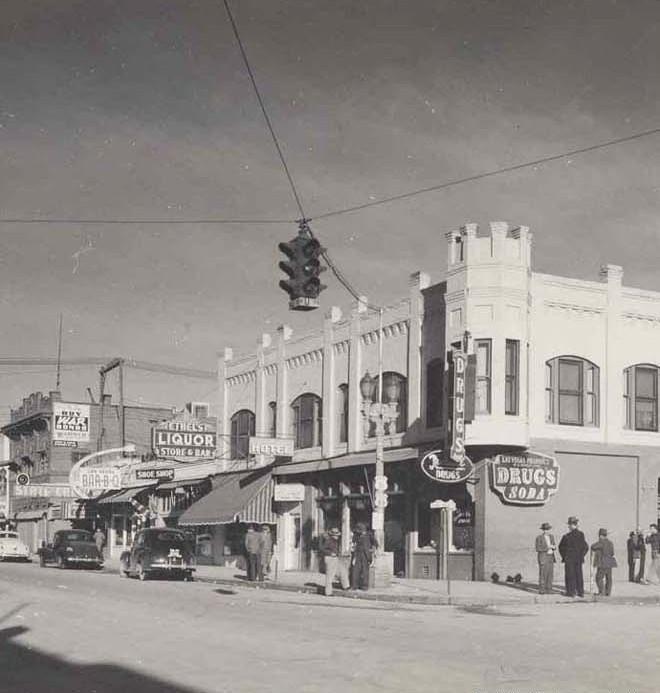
<point x="412" y="591"/>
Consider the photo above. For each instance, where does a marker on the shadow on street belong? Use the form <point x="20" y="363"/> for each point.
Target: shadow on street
<point x="26" y="670"/>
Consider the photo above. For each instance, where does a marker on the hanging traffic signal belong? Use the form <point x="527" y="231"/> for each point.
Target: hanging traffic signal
<point x="303" y="268"/>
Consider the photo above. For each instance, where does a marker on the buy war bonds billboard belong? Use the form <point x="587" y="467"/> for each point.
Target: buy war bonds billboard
<point x="527" y="478"/>
<point x="71" y="423"/>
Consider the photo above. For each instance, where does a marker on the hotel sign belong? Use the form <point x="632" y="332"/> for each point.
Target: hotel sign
<point x="457" y="450"/>
<point x="448" y="471"/>
<point x="280" y="447"/>
<point x="528" y="478"/>
<point x="184" y="438"/>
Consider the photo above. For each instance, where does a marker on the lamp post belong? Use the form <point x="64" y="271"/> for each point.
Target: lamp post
<point x="382" y="415"/>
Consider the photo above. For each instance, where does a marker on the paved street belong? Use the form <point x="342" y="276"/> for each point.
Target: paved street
<point x="75" y="631"/>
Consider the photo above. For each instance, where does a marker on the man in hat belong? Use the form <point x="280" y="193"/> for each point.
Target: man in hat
<point x="363" y="555"/>
<point x="603" y="561"/>
<point x="653" y="540"/>
<point x="573" y="548"/>
<point x="545" y="551"/>
<point x="335" y="563"/>
<point x="253" y="553"/>
<point x="636" y="556"/>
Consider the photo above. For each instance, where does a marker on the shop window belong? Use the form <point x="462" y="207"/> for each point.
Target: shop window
<point x="307" y="421"/>
<point x="342" y="412"/>
<point x="428" y="524"/>
<point x="572" y="391"/>
<point x="640" y="394"/>
<point x="397" y="385"/>
<point x="242" y="427"/>
<point x="482" y="349"/>
<point x="272" y="419"/>
<point x="435" y="377"/>
<point x="511" y="377"/>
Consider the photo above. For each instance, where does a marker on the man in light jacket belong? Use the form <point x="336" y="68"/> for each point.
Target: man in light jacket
<point x="545" y="551"/>
<point x="603" y="561"/>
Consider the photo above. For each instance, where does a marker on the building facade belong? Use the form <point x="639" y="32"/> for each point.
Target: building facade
<point x="565" y="368"/>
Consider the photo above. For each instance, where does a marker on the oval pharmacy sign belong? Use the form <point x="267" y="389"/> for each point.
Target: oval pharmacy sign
<point x="437" y="466"/>
<point x="527" y="478"/>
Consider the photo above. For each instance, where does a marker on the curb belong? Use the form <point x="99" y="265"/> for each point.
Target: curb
<point x="430" y="600"/>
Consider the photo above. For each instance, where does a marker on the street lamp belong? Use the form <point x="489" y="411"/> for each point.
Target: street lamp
<point x="383" y="415"/>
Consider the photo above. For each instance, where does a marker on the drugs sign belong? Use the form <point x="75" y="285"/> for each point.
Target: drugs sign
<point x="70" y="422"/>
<point x="528" y="478"/>
<point x="437" y="466"/>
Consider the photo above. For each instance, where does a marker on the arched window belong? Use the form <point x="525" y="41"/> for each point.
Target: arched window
<point x="435" y="378"/>
<point x="272" y="419"/>
<point x="640" y="397"/>
<point x="400" y="383"/>
<point x="572" y="391"/>
<point x="242" y="427"/>
<point x="342" y="413"/>
<point x="307" y="420"/>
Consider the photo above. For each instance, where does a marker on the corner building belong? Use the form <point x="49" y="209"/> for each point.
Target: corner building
<point x="565" y="368"/>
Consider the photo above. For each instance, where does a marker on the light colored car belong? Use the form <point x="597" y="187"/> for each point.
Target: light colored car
<point x="12" y="548"/>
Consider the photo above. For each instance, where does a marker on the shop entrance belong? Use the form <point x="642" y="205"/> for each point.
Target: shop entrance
<point x="291" y="536"/>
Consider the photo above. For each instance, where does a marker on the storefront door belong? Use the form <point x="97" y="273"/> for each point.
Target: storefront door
<point x="292" y="536"/>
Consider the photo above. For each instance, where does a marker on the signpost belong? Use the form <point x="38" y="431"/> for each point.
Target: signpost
<point x="527" y="478"/>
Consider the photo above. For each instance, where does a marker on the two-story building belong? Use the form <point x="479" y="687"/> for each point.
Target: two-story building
<point x="566" y="368"/>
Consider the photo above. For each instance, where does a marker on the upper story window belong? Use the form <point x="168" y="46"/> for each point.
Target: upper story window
<point x="640" y="395"/>
<point x="307" y="420"/>
<point x="435" y="378"/>
<point x="242" y="427"/>
<point x="272" y="419"/>
<point x="511" y="377"/>
<point x="572" y="391"/>
<point x="342" y="412"/>
<point x="483" y="351"/>
<point x="395" y="390"/>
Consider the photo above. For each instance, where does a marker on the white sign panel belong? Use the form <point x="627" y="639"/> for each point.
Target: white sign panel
<point x="44" y="491"/>
<point x="280" y="447"/>
<point x="289" y="492"/>
<point x="71" y="422"/>
<point x="100" y="478"/>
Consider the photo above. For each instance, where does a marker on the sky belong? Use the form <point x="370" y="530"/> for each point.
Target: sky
<point x="116" y="109"/>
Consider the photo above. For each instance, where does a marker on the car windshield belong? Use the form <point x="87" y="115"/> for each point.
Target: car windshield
<point x="8" y="535"/>
<point x="76" y="535"/>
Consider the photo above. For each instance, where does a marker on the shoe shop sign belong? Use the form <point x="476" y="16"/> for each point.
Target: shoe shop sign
<point x="527" y="478"/>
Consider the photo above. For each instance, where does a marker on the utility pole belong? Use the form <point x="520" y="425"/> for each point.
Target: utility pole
<point x="111" y="365"/>
<point x="59" y="355"/>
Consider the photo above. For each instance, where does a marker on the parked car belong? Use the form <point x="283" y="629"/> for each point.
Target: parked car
<point x="71" y="547"/>
<point x="159" y="552"/>
<point x="12" y="548"/>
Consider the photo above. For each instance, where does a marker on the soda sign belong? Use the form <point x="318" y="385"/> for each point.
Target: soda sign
<point x="527" y="478"/>
<point x="438" y="467"/>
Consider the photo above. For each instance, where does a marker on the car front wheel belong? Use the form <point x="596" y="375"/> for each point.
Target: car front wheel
<point x="123" y="570"/>
<point x="61" y="563"/>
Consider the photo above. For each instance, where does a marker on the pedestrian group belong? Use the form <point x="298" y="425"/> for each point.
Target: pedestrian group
<point x="259" y="551"/>
<point x="573" y="549"/>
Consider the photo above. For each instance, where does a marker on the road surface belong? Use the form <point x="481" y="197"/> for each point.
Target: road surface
<point x="72" y="631"/>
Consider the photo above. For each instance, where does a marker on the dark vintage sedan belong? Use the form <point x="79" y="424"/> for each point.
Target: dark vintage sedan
<point x="159" y="552"/>
<point x="71" y="548"/>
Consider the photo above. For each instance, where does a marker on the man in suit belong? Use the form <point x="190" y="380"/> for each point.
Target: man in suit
<point x="604" y="561"/>
<point x="573" y="548"/>
<point x="545" y="551"/>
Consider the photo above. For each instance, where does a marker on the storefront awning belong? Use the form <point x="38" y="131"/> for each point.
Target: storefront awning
<point x="238" y="497"/>
<point x="123" y="496"/>
<point x="353" y="460"/>
<point x="31" y="514"/>
<point x="171" y="485"/>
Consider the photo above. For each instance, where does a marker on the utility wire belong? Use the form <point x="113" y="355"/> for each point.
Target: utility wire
<point x="487" y="174"/>
<point x="263" y="109"/>
<point x="345" y="210"/>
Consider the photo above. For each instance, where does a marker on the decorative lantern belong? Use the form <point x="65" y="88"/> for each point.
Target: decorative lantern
<point x="367" y="386"/>
<point x="391" y="389"/>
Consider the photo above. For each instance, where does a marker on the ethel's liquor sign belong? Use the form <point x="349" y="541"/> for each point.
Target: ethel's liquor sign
<point x="528" y="478"/>
<point x="184" y="438"/>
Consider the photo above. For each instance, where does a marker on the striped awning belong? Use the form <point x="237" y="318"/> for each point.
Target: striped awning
<point x="236" y="497"/>
<point x="123" y="496"/>
<point x="171" y="485"/>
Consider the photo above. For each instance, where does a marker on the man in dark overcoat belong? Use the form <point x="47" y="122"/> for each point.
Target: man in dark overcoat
<point x="363" y="555"/>
<point x="545" y="551"/>
<point x="573" y="548"/>
<point x="604" y="561"/>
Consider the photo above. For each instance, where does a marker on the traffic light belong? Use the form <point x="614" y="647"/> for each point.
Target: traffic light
<point x="303" y="268"/>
